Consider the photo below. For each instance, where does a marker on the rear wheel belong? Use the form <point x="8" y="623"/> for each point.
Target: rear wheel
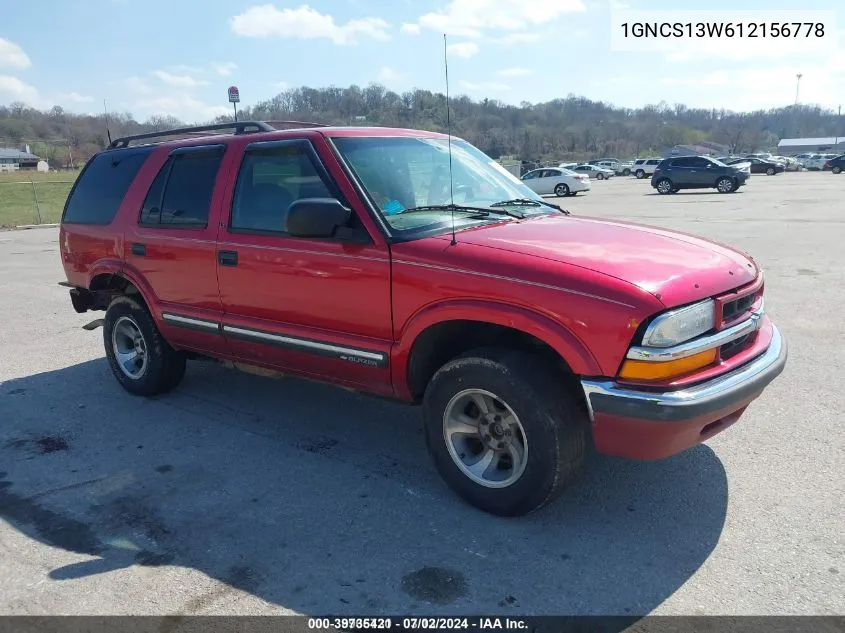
<point x="836" y="169"/>
<point x="725" y="185"/>
<point x="599" y="176"/>
<point x="502" y="432"/>
<point x="640" y="174"/>
<point x="664" y="186"/>
<point x="141" y="360"/>
<point x="770" y="171"/>
<point x="626" y="172"/>
<point x="562" y="190"/>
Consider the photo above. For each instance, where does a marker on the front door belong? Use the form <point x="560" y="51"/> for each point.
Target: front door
<point x="318" y="307"/>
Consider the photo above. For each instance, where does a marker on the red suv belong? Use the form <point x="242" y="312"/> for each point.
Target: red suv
<point x="406" y="264"/>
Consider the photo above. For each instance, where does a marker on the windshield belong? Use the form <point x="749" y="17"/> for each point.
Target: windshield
<point x="718" y="162"/>
<point x="404" y="173"/>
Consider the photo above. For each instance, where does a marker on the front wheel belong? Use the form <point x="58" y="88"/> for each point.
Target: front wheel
<point x="599" y="176"/>
<point x="502" y="432"/>
<point x="837" y="170"/>
<point x="141" y="360"/>
<point x="725" y="185"/>
<point x="562" y="190"/>
<point x="770" y="171"/>
<point x="626" y="172"/>
<point x="640" y="174"/>
<point x="664" y="186"/>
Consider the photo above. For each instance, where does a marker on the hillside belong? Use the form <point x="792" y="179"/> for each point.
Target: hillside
<point x="572" y="128"/>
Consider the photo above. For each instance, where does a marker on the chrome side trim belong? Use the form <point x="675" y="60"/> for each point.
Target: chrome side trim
<point x="191" y="322"/>
<point x="350" y="354"/>
<point x="712" y="396"/>
<point x="701" y="344"/>
<point x="514" y="280"/>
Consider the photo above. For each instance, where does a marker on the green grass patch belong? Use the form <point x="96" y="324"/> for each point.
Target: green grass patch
<point x="18" y="193"/>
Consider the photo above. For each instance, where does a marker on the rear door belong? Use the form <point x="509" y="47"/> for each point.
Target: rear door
<point x="319" y="307"/>
<point x="172" y="244"/>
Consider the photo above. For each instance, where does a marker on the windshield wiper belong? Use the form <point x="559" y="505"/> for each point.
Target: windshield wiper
<point x="529" y="201"/>
<point x="478" y="211"/>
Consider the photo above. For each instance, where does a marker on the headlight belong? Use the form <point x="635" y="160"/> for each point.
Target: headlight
<point x="683" y="324"/>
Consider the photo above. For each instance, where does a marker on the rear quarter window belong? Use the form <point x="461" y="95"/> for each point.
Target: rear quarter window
<point x="101" y="186"/>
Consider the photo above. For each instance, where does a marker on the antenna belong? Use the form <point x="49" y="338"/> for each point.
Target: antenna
<point x="449" y="134"/>
<point x="106" y="112"/>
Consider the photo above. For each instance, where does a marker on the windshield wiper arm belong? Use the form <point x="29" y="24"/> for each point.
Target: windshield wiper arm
<point x="529" y="201"/>
<point x="480" y="211"/>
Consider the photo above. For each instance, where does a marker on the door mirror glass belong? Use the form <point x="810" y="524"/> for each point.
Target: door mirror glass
<point x="316" y="217"/>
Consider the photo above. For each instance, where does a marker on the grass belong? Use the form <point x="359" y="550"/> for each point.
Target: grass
<point x="18" y="191"/>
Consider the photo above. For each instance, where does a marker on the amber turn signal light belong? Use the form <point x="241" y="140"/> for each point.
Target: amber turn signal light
<point x="647" y="370"/>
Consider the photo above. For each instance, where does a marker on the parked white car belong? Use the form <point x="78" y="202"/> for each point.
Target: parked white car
<point x="645" y="166"/>
<point x="594" y="171"/>
<point x="815" y="162"/>
<point x="556" y="181"/>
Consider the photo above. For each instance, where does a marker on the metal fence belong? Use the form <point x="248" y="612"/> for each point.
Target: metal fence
<point x="26" y="202"/>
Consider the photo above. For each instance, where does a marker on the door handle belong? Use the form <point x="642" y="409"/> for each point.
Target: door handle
<point x="139" y="249"/>
<point x="227" y="258"/>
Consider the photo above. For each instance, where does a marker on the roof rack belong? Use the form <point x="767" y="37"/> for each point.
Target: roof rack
<point x="297" y="124"/>
<point x="241" y="127"/>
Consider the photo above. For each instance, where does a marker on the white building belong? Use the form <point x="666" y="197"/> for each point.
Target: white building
<point x="828" y="144"/>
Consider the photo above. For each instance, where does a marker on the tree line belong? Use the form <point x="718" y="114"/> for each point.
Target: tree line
<point x="571" y="128"/>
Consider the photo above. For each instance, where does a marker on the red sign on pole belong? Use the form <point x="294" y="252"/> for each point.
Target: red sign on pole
<point x="234" y="95"/>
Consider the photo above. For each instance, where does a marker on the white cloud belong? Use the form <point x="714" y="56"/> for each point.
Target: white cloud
<point x="73" y="97"/>
<point x="410" y="29"/>
<point x="183" y="69"/>
<point x="483" y="86"/>
<point x="181" y="105"/>
<point x="463" y="49"/>
<point x="12" y="55"/>
<point x="181" y="81"/>
<point x="305" y="23"/>
<point x="388" y="74"/>
<point x="137" y="85"/>
<point x="470" y="18"/>
<point x="13" y="89"/>
<point x="280" y="85"/>
<point x="515" y="72"/>
<point x="224" y="68"/>
<point x="518" y="38"/>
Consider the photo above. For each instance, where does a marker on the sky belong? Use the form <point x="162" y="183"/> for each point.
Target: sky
<point x="178" y="57"/>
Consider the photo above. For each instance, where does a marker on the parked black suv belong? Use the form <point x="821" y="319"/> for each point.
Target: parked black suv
<point x="696" y="172"/>
<point x="836" y="165"/>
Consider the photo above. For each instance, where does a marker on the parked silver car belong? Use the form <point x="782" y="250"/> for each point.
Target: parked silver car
<point x="594" y="171"/>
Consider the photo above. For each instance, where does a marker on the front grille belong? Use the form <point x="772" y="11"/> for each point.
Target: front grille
<point x="736" y="346"/>
<point x="733" y="308"/>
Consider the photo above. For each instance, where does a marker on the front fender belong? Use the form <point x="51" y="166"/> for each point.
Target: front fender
<point x="553" y="334"/>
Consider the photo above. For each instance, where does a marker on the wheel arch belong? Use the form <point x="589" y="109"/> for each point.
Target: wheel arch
<point x="441" y="332"/>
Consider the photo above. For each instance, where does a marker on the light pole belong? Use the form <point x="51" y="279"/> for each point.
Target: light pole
<point x="838" y="119"/>
<point x="797" y="86"/>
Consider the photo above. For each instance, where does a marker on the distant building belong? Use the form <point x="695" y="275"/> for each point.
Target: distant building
<point x="699" y="149"/>
<point x="791" y="146"/>
<point x="15" y="159"/>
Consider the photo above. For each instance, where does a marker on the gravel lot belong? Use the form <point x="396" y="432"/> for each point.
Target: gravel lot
<point x="238" y="494"/>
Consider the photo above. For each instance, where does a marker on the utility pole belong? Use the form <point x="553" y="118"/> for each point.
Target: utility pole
<point x="838" y="119"/>
<point x="797" y="86"/>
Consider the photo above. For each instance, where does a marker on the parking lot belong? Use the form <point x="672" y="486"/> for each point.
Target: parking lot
<point x="239" y="494"/>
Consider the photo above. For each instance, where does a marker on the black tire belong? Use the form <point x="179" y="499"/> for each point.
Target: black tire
<point x="640" y="174"/>
<point x="836" y="169"/>
<point x="562" y="190"/>
<point x="554" y="424"/>
<point x="675" y="189"/>
<point x="164" y="366"/>
<point x="599" y="176"/>
<point x="664" y="186"/>
<point x="770" y="171"/>
<point x="725" y="185"/>
<point x="626" y="172"/>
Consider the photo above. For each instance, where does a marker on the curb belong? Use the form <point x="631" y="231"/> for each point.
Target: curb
<point x="24" y="227"/>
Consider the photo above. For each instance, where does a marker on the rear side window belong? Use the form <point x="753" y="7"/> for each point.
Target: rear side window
<point x="102" y="185"/>
<point x="180" y="195"/>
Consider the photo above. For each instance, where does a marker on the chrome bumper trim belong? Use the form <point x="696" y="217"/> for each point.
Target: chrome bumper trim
<point x="748" y="380"/>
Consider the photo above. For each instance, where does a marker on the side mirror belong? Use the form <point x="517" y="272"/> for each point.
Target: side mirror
<point x="316" y="217"/>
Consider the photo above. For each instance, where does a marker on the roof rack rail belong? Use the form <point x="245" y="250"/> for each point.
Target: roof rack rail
<point x="240" y="127"/>
<point x="296" y="124"/>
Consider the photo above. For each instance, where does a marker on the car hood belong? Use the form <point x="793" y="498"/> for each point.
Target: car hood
<point x="674" y="267"/>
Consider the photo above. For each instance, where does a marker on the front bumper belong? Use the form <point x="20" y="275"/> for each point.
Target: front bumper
<point x="642" y="424"/>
